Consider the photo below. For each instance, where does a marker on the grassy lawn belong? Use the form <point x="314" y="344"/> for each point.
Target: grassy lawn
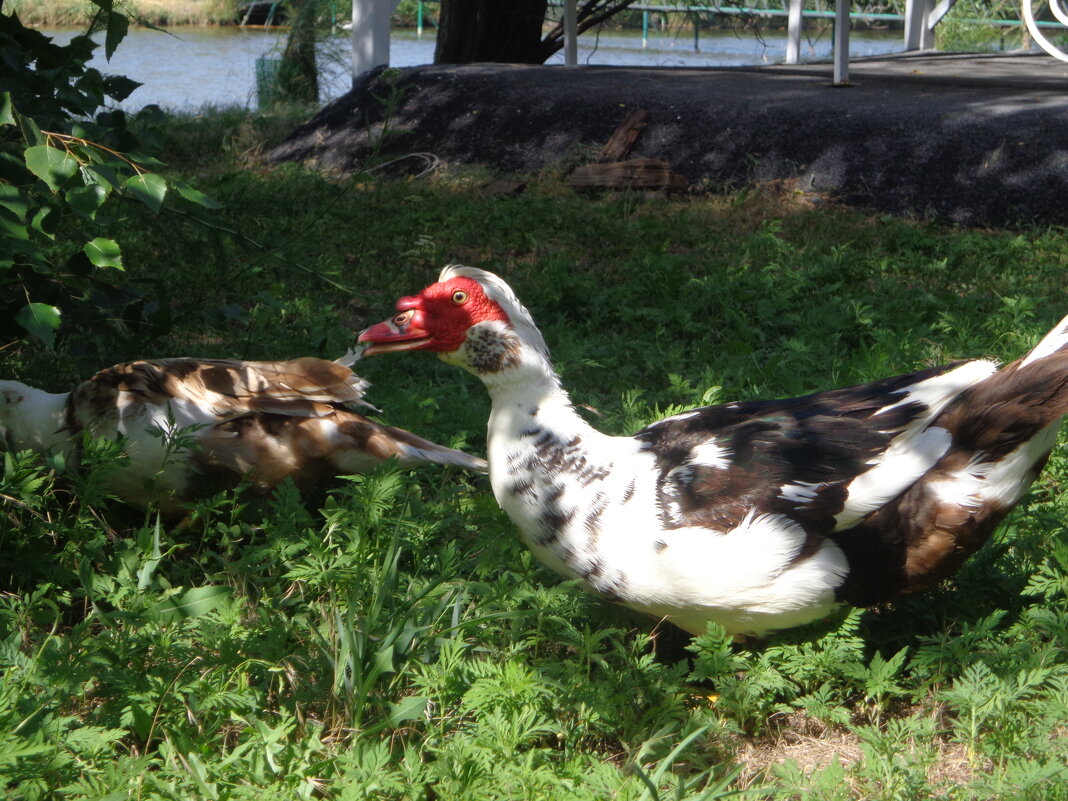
<point x="394" y="641"/>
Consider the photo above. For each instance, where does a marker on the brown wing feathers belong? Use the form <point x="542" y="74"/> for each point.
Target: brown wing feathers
<point x="1011" y="406"/>
<point x="274" y="420"/>
<point x="988" y="422"/>
<point x="300" y="387"/>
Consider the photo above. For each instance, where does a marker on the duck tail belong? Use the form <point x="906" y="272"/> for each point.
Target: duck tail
<point x="1042" y="375"/>
<point x="412" y="449"/>
<point x="1024" y="397"/>
<point x="1053" y="343"/>
<point x="1018" y="406"/>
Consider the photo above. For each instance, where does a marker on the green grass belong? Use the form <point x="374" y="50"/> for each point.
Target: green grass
<point x="395" y="641"/>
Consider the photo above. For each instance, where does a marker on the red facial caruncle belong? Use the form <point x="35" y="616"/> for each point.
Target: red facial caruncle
<point x="437" y="319"/>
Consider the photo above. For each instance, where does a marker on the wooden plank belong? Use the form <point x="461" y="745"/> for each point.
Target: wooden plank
<point x="622" y="140"/>
<point x="633" y="174"/>
<point x="505" y="187"/>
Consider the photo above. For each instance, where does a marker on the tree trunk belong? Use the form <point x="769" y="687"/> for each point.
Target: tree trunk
<point x="491" y="30"/>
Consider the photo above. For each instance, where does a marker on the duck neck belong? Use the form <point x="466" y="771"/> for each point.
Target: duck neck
<point x="529" y="396"/>
<point x="549" y="468"/>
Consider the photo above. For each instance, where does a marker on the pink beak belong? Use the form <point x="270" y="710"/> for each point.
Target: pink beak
<point x="403" y="331"/>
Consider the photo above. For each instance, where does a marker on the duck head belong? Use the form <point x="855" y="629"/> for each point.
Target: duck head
<point x="469" y="317"/>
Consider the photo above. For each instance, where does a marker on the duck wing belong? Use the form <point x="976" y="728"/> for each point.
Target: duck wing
<point x="806" y="457"/>
<point x="270" y="447"/>
<point x="267" y="421"/>
<point x="208" y="391"/>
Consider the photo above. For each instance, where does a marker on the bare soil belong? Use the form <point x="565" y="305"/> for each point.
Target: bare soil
<point x="975" y="139"/>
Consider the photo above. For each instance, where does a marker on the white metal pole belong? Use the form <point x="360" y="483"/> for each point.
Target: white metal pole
<point x="918" y="33"/>
<point x="912" y="22"/>
<point x="370" y="35"/>
<point x="927" y="34"/>
<point x="793" y="32"/>
<point x="841" y="42"/>
<point x="570" y="33"/>
<point x="380" y="27"/>
<point x="361" y="37"/>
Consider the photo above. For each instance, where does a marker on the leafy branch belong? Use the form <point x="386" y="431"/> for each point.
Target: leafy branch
<point x="61" y="159"/>
<point x="85" y="144"/>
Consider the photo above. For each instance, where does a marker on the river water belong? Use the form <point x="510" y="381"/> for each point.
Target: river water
<point x="188" y="68"/>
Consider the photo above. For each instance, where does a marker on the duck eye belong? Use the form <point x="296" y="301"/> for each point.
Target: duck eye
<point x="459" y="297"/>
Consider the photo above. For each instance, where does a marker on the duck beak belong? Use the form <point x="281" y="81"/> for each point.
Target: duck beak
<point x="403" y="331"/>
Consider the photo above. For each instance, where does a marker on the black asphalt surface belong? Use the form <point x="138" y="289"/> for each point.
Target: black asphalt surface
<point x="976" y="139"/>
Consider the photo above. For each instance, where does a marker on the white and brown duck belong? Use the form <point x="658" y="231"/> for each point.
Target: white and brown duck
<point x="194" y="426"/>
<point x="757" y="515"/>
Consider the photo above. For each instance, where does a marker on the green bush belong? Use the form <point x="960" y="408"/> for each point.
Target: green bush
<point x="63" y="161"/>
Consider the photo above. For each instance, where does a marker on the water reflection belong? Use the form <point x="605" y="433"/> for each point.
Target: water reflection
<point x="187" y="68"/>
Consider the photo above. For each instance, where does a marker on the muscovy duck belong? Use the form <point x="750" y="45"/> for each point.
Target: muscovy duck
<point x="267" y="421"/>
<point x="758" y="515"/>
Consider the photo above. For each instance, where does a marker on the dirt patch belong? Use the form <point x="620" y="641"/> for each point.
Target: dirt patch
<point x="977" y="139"/>
<point x="812" y="746"/>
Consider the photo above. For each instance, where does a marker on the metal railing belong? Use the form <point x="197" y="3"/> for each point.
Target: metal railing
<point x="371" y="20"/>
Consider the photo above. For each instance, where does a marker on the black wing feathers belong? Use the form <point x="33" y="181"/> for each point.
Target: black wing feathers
<point x="793" y="456"/>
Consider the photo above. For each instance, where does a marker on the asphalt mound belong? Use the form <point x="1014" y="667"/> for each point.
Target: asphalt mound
<point x="977" y="139"/>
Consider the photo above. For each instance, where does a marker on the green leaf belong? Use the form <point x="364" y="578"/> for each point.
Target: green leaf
<point x="103" y="174"/>
<point x="118" y="25"/>
<point x="7" y="111"/>
<point x="119" y="87"/>
<point x="195" y="195"/>
<point x="46" y="220"/>
<point x="51" y="165"/>
<point x="104" y="253"/>
<point x="14" y="200"/>
<point x="149" y="188"/>
<point x="15" y="751"/>
<point x="56" y="461"/>
<point x="12" y="226"/>
<point x="146" y="160"/>
<point x="142" y="721"/>
<point x="407" y="709"/>
<point x="195" y="602"/>
<point x="30" y="132"/>
<point x="86" y="201"/>
<point x="41" y="320"/>
<point x="18" y="246"/>
<point x="383" y="661"/>
<point x="13" y="170"/>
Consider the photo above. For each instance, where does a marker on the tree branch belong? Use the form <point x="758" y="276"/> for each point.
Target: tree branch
<point x="590" y="13"/>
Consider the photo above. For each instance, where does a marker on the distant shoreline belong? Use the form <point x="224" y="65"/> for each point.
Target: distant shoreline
<point x="163" y="13"/>
<point x="177" y="13"/>
<point x="66" y="13"/>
